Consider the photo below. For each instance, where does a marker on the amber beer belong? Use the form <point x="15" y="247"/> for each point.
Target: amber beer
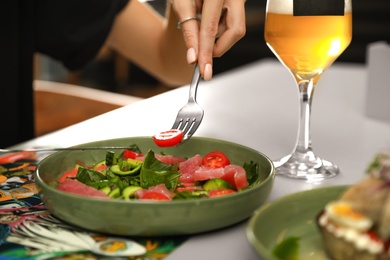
<point x="308" y="45"/>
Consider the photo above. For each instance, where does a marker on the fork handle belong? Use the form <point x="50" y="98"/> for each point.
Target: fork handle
<point x="194" y="84"/>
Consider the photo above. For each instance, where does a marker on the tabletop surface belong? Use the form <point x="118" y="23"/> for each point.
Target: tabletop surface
<point x="257" y="106"/>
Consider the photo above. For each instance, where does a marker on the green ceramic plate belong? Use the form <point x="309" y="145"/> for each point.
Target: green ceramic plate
<point x="147" y="218"/>
<point x="291" y="216"/>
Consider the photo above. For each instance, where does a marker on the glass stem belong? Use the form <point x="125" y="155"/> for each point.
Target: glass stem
<point x="302" y="162"/>
<point x="303" y="145"/>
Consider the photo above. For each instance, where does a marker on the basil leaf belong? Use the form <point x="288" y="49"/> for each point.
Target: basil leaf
<point x="91" y="177"/>
<point x="252" y="172"/>
<point x="154" y="172"/>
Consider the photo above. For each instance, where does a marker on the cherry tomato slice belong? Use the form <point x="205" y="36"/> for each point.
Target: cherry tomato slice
<point x="154" y="195"/>
<point x="129" y="154"/>
<point x="215" y="159"/>
<point x="69" y="174"/>
<point x="168" y="138"/>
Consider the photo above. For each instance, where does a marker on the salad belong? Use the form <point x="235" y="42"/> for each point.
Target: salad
<point x="150" y="176"/>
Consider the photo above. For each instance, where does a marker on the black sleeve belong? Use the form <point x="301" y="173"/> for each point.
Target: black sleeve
<point x="73" y="31"/>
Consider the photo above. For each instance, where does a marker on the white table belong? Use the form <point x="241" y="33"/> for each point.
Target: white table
<point x="257" y="106"/>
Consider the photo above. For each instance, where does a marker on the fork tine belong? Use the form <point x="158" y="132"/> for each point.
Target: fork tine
<point x="190" y="115"/>
<point x="178" y="124"/>
<point x="188" y="125"/>
<point x="194" y="126"/>
<point x="185" y="124"/>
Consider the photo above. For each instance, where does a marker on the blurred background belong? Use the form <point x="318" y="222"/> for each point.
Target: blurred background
<point x="111" y="72"/>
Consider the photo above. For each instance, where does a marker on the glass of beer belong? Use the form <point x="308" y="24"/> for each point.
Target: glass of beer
<point x="307" y="36"/>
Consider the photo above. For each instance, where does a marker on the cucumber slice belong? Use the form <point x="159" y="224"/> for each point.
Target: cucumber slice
<point x="215" y="184"/>
<point x="111" y="158"/>
<point x="131" y="165"/>
<point x="115" y="193"/>
<point x="97" y="165"/>
<point x="106" y="190"/>
<point x="129" y="191"/>
<point x="116" y="169"/>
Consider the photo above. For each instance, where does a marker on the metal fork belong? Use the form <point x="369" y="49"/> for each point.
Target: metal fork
<point x="190" y="115"/>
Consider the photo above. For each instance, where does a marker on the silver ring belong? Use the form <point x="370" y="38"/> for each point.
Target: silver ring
<point x="197" y="17"/>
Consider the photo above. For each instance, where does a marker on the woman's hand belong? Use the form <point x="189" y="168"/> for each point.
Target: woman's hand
<point x="221" y="25"/>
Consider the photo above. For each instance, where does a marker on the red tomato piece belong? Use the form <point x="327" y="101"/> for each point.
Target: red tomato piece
<point x="154" y="195"/>
<point x="101" y="168"/>
<point x="168" y="138"/>
<point x="69" y="174"/>
<point x="215" y="159"/>
<point x="374" y="236"/>
<point x="130" y="154"/>
<point x="220" y="192"/>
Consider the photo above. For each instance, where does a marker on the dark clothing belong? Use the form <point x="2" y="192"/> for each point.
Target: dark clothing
<point x="71" y="31"/>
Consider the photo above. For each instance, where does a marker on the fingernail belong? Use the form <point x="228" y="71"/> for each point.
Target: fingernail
<point x="191" y="56"/>
<point x="208" y="72"/>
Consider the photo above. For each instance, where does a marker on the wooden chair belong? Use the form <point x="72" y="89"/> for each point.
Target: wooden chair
<point x="58" y="105"/>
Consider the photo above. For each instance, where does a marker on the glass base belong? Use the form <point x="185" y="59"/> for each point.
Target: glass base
<point x="312" y="169"/>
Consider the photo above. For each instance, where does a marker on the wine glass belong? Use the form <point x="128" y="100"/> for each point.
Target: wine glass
<point x="307" y="37"/>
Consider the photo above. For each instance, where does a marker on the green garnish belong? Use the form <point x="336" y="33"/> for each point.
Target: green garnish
<point x="287" y="249"/>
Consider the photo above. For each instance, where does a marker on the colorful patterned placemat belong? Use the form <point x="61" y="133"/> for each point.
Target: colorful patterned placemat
<point x="28" y="231"/>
